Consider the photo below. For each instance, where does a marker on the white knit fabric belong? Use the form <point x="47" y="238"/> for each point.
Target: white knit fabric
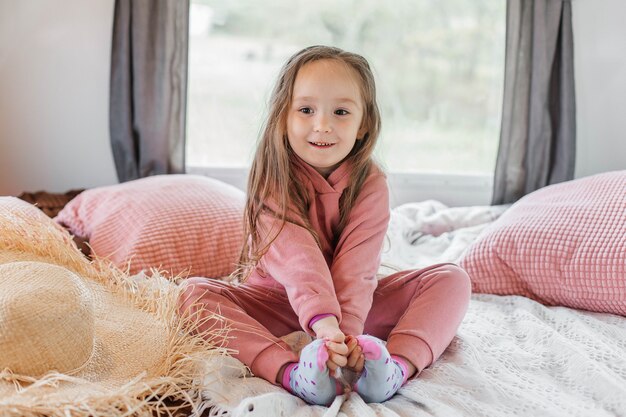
<point x="511" y="357"/>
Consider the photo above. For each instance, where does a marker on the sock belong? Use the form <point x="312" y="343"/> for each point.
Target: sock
<point x="309" y="379"/>
<point x="382" y="375"/>
<point x="405" y="368"/>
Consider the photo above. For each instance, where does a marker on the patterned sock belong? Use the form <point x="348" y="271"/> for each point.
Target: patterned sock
<point x="309" y="379"/>
<point x="405" y="368"/>
<point x="382" y="375"/>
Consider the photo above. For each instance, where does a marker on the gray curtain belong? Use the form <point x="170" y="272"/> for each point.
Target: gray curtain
<point x="148" y="87"/>
<point x="538" y="136"/>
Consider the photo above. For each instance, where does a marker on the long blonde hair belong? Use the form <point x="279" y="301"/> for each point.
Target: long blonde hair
<point x="272" y="175"/>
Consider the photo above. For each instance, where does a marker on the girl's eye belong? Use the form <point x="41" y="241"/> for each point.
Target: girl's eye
<point x="341" y="112"/>
<point x="306" y="110"/>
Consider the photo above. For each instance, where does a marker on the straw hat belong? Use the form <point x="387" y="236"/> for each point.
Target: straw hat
<point x="80" y="337"/>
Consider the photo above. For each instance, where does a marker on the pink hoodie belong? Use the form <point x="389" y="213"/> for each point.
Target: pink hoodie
<point x="341" y="278"/>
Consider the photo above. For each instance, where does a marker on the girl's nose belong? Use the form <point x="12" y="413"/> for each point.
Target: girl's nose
<point x="322" y="124"/>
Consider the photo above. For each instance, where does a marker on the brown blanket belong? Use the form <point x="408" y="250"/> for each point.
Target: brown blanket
<point x="49" y="203"/>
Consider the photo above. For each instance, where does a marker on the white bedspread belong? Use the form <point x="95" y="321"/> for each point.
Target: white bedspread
<point x="427" y="233"/>
<point x="511" y="356"/>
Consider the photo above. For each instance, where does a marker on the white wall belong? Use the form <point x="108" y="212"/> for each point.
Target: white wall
<point x="54" y="82"/>
<point x="600" y="71"/>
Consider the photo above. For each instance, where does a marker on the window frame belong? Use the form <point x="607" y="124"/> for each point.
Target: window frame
<point x="453" y="190"/>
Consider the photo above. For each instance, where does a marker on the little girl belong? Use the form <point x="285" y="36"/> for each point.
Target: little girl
<point x="316" y="216"/>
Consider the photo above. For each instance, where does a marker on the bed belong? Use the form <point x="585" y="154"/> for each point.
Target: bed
<point x="513" y="355"/>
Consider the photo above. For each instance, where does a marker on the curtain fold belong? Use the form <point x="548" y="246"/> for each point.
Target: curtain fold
<point x="148" y="87"/>
<point x="538" y="134"/>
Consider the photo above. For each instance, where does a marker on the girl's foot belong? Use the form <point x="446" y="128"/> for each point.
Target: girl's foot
<point x="382" y="375"/>
<point x="309" y="379"/>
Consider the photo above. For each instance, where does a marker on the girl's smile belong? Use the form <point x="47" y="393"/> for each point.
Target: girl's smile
<point x="326" y="113"/>
<point x="321" y="144"/>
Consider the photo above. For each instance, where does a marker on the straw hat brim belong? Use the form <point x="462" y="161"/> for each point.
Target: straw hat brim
<point x="142" y="352"/>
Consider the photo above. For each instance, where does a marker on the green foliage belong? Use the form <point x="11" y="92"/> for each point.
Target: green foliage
<point x="439" y="63"/>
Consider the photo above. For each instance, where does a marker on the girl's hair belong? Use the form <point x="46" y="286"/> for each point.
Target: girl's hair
<point x="272" y="176"/>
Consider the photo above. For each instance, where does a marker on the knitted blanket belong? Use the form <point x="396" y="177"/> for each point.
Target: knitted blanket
<point x="511" y="357"/>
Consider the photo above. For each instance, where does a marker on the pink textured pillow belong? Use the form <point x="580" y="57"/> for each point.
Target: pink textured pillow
<point x="561" y="245"/>
<point x="177" y="223"/>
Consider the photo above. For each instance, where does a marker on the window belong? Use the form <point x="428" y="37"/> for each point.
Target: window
<point x="438" y="64"/>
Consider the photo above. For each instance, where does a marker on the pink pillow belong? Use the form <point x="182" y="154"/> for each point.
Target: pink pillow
<point x="561" y="245"/>
<point x="177" y="223"/>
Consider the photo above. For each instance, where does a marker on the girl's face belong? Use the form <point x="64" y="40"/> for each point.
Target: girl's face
<point x="326" y="113"/>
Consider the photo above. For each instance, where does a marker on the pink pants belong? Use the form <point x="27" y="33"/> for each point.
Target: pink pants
<point x="417" y="312"/>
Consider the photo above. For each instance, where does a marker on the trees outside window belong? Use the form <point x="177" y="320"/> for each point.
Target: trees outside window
<point x="438" y="66"/>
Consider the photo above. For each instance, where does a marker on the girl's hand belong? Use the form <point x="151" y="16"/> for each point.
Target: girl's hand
<point x="356" y="359"/>
<point x="328" y="329"/>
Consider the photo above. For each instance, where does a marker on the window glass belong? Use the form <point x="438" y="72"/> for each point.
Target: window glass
<point x="438" y="65"/>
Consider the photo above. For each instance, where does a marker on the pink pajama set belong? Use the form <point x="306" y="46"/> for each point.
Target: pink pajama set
<point x="417" y="312"/>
